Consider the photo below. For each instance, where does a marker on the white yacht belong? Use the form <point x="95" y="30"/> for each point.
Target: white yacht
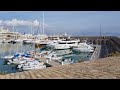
<point x="19" y="60"/>
<point x="64" y="52"/>
<point x="52" y="56"/>
<point x="16" y="61"/>
<point x="18" y="40"/>
<point x="66" y="44"/>
<point x="6" y="41"/>
<point x="83" y="47"/>
<point x="53" y="42"/>
<point x="8" y="57"/>
<point x="43" y="42"/>
<point x="37" y="41"/>
<point x="29" y="41"/>
<point x="32" y="65"/>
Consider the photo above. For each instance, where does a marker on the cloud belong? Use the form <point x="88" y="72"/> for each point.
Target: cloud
<point x="16" y="22"/>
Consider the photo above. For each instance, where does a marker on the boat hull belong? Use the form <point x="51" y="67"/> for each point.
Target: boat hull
<point x="82" y="50"/>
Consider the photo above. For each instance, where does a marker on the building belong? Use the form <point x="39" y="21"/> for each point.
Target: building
<point x="7" y="34"/>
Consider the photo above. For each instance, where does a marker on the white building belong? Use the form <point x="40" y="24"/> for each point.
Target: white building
<point x="7" y="34"/>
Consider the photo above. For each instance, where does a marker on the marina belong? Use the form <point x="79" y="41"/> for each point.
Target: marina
<point x="45" y="46"/>
<point x="19" y="52"/>
<point x="26" y="52"/>
<point x="11" y="49"/>
<point x="31" y="52"/>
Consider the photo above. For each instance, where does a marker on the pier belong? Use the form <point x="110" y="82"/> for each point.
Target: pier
<point x="50" y="62"/>
<point x="96" y="53"/>
<point x="53" y="63"/>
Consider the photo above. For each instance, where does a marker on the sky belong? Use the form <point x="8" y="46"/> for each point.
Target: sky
<point x="58" y="22"/>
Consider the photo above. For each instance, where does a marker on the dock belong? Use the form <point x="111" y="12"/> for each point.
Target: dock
<point x="50" y="62"/>
<point x="96" y="53"/>
<point x="101" y="51"/>
<point x="53" y="63"/>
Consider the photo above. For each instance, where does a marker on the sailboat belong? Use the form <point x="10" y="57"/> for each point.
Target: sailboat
<point x="37" y="40"/>
<point x="43" y="36"/>
<point x="1" y="37"/>
<point x="29" y="39"/>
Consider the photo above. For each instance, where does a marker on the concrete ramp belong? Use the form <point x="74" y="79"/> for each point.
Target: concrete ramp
<point x="96" y="53"/>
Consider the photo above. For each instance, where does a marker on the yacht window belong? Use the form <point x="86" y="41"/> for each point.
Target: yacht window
<point x="62" y="43"/>
<point x="71" y="42"/>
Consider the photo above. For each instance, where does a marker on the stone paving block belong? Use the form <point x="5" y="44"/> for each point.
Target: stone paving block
<point x="53" y="74"/>
<point x="44" y="74"/>
<point x="37" y="75"/>
<point x="22" y="77"/>
<point x="32" y="75"/>
<point x="61" y="73"/>
<point x="2" y="77"/>
<point x="27" y="75"/>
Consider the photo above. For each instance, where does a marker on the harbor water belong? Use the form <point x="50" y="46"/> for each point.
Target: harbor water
<point x="11" y="49"/>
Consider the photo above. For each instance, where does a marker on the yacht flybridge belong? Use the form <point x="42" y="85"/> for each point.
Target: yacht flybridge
<point x="66" y="44"/>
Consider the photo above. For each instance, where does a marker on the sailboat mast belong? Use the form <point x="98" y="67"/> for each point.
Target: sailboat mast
<point x="38" y="29"/>
<point x="31" y="29"/>
<point x="43" y="22"/>
<point x="13" y="28"/>
<point x="14" y="32"/>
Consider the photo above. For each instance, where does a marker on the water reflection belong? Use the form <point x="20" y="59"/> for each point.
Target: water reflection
<point x="11" y="49"/>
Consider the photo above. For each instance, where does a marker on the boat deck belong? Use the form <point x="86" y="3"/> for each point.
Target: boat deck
<point x="50" y="62"/>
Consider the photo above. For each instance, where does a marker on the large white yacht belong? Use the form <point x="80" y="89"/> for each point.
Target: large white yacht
<point x="53" y="42"/>
<point x="84" y="47"/>
<point x="66" y="44"/>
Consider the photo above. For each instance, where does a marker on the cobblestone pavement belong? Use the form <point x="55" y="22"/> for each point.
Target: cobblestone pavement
<point x="105" y="68"/>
